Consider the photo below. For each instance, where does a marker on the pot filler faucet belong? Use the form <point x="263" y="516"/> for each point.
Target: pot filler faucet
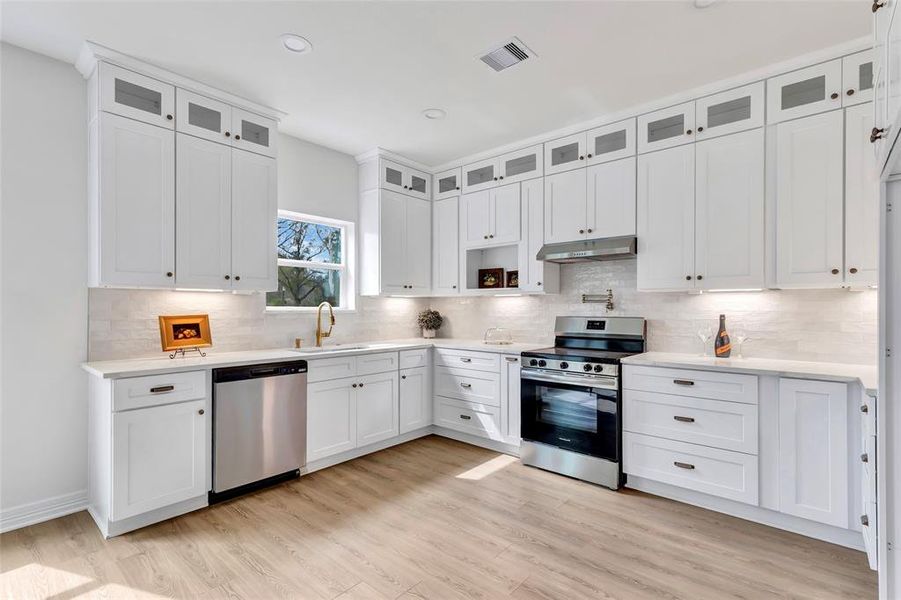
<point x="324" y="334"/>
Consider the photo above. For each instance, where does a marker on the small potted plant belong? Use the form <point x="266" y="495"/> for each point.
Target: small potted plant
<point x="430" y="322"/>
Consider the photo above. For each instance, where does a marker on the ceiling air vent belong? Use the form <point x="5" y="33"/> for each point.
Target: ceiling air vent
<point x="506" y="55"/>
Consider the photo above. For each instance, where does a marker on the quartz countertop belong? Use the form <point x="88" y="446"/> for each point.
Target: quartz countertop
<point x="116" y="369"/>
<point x="866" y="375"/>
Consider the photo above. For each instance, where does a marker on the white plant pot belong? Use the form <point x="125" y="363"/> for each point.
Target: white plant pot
<point x="429" y="333"/>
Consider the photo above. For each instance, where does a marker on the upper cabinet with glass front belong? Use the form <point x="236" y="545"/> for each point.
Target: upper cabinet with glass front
<point x="804" y="92"/>
<point x="136" y="96"/>
<point x="253" y="132"/>
<point x="666" y="128"/>
<point x="611" y="142"/>
<point x="203" y="117"/>
<point x="857" y="78"/>
<point x="405" y="180"/>
<point x="730" y="112"/>
<point x="565" y="153"/>
<point x="518" y="165"/>
<point x="447" y="183"/>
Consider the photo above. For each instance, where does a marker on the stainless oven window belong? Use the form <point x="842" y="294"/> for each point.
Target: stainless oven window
<point x="567" y="408"/>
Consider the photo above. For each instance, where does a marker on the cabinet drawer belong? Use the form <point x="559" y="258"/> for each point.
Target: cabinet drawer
<point x="467" y="384"/>
<point x="698" y="384"/>
<point x="410" y="359"/>
<point x="155" y="390"/>
<point x="714" y="423"/>
<point x="480" y="361"/>
<point x="722" y="473"/>
<point x="382" y="362"/>
<point x="323" y="369"/>
<point x="468" y="417"/>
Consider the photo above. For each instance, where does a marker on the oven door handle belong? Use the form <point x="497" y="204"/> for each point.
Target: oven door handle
<point x="607" y="383"/>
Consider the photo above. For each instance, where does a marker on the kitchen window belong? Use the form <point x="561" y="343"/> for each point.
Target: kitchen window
<point x="315" y="258"/>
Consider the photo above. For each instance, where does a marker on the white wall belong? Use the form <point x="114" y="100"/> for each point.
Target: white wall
<point x="316" y="180"/>
<point x="43" y="338"/>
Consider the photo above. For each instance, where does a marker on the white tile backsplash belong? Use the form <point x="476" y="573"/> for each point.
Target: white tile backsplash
<point x="823" y="325"/>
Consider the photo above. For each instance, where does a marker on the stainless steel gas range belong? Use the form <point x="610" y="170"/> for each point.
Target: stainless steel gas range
<point x="571" y="398"/>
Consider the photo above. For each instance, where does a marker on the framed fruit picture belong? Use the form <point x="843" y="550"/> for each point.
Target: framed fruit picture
<point x="512" y="279"/>
<point x="491" y="278"/>
<point x="185" y="332"/>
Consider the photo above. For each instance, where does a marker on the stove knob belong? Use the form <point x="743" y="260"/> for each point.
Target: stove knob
<point x="564" y="365"/>
<point x="586" y="368"/>
<point x="533" y="363"/>
<point x="542" y="363"/>
<point x="598" y="368"/>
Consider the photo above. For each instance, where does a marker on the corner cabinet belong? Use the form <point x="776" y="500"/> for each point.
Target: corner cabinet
<point x="182" y="187"/>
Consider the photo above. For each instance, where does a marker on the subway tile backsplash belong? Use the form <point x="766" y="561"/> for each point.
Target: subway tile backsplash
<point x="823" y="325"/>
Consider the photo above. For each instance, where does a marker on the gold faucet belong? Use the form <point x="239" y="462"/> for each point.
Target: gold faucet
<point x="319" y="333"/>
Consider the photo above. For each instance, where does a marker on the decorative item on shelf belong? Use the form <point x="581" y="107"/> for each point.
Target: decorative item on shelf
<point x="491" y="278"/>
<point x="179" y="333"/>
<point x="722" y="346"/>
<point x="430" y="322"/>
<point x="498" y="336"/>
<point x="513" y="279"/>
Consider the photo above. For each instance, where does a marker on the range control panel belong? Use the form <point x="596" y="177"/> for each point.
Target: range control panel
<point x="572" y="366"/>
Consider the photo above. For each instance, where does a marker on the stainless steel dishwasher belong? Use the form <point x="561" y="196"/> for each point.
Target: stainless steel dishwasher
<point x="259" y="426"/>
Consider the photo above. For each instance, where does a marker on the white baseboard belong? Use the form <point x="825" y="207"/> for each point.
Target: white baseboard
<point x="473" y="440"/>
<point x="331" y="461"/>
<point x="42" y="510"/>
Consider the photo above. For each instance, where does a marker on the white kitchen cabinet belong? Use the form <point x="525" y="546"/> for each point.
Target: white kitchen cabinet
<point x="813" y="450"/>
<point x="730" y="112"/>
<point x="804" y="92"/>
<point x="133" y="183"/>
<point x="203" y="117"/>
<point x="447" y="183"/>
<point x="521" y="165"/>
<point x="729" y="212"/>
<point x="254" y="208"/>
<point x="415" y="398"/>
<point x="892" y="77"/>
<point x="666" y="128"/>
<point x="418" y="246"/>
<point x="136" y="96"/>
<point x="511" y="406"/>
<point x="857" y="78"/>
<point x="666" y="224"/>
<point x="535" y="275"/>
<point x="331" y="417"/>
<point x="403" y="179"/>
<point x="861" y="199"/>
<point x="611" y="142"/>
<point x="565" y="153"/>
<point x="809" y="213"/>
<point x="479" y="176"/>
<point x="446" y="246"/>
<point x="491" y="217"/>
<point x="565" y="206"/>
<point x="253" y="133"/>
<point x="392" y="234"/>
<point x="159" y="457"/>
<point x="377" y="407"/>
<point x="203" y="213"/>
<point x="610" y="210"/>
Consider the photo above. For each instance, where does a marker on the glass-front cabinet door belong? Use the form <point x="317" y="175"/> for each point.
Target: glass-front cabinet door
<point x="253" y="132"/>
<point x="447" y="184"/>
<point x="135" y="96"/>
<point x="392" y="176"/>
<point x="857" y="78"/>
<point x="565" y="153"/>
<point x="203" y="117"/>
<point x="418" y="183"/>
<point x="730" y="112"/>
<point x="480" y="176"/>
<point x="666" y="128"/>
<point x="804" y="92"/>
<point x="521" y="165"/>
<point x="611" y="142"/>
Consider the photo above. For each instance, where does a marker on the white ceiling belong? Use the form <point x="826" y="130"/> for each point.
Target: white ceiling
<point x="377" y="65"/>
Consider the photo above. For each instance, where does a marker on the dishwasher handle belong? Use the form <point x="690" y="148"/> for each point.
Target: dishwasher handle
<point x="259" y="371"/>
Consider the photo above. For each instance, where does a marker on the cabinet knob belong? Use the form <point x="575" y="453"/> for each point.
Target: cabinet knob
<point x="581" y="231"/>
<point x="501" y="177"/>
<point x="168" y="117"/>
<point x="361" y="385"/>
<point x="237" y="137"/>
<point x="228" y="134"/>
<point x="539" y="283"/>
<point x="688" y="132"/>
<point x="491" y="236"/>
<point x="864" y="408"/>
<point x="700" y="128"/>
<point x="406" y="188"/>
<point x="864" y="458"/>
<point x="688" y="278"/>
<point x="353" y="385"/>
<point x="403" y="376"/>
<point x="227" y="277"/>
<point x="589" y="155"/>
<point x="852" y="270"/>
<point x="581" y="158"/>
<point x="168" y="273"/>
<point x="200" y="412"/>
<point x="699" y="277"/>
<point x="495" y="178"/>
<point x="454" y="287"/>
<point x="850" y="92"/>
<point x="237" y="278"/>
<point x="876" y="134"/>
<point x="864" y="520"/>
<point x="877" y="5"/>
<point x="590" y="230"/>
<point x="835" y="271"/>
<point x="458" y="187"/>
<point x="834" y="95"/>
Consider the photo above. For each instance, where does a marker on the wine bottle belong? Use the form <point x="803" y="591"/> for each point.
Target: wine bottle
<point x="722" y="345"/>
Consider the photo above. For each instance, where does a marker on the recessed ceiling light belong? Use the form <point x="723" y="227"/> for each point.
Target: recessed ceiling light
<point x="296" y="43"/>
<point x="434" y="114"/>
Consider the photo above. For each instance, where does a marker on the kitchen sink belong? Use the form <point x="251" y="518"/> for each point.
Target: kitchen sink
<point x="334" y="348"/>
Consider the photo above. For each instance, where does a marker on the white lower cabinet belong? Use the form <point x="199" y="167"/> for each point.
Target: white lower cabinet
<point x="331" y="418"/>
<point x="377" y="408"/>
<point x="511" y="406"/>
<point x="476" y="419"/>
<point x="415" y="398"/>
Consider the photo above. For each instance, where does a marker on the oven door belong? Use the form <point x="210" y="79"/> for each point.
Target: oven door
<point x="577" y="412"/>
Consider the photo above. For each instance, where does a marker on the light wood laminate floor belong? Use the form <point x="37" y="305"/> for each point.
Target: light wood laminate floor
<point x="433" y="518"/>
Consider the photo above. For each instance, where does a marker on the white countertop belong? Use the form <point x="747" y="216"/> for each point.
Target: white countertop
<point x="866" y="375"/>
<point x="115" y="369"/>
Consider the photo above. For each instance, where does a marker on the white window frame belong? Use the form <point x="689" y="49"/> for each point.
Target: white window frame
<point x="346" y="267"/>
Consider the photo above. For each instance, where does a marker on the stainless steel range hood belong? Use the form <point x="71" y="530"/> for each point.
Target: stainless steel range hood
<point x="586" y="250"/>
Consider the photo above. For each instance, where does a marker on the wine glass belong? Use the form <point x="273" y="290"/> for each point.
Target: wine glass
<point x="705" y="334"/>
<point x="740" y="334"/>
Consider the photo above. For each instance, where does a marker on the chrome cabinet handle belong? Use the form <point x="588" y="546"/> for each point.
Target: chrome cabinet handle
<point x="465" y="417"/>
<point x="466" y="360"/>
<point x="683" y="382"/>
<point x="684" y="419"/>
<point x="162" y="389"/>
<point x="683" y="465"/>
<point x="466" y="385"/>
<point x="511" y="359"/>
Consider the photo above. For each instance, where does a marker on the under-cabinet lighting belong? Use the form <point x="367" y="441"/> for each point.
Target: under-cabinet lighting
<point x="507" y="295"/>
<point x="734" y="290"/>
<point x="197" y="290"/>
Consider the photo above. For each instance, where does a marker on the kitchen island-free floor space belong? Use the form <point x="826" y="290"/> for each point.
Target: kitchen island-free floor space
<point x="432" y="518"/>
